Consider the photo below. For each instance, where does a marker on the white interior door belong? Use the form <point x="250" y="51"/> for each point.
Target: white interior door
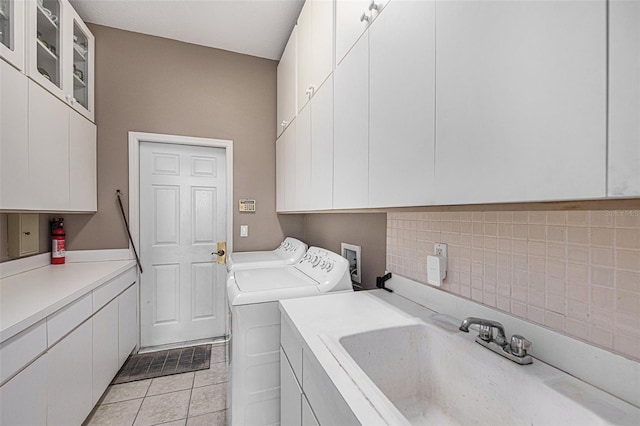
<point x="182" y="218"/>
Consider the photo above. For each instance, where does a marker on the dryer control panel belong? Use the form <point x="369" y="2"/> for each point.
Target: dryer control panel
<point x="328" y="269"/>
<point x="291" y="250"/>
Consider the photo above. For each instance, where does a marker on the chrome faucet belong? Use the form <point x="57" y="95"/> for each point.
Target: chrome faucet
<point x="515" y="351"/>
<point x="486" y="330"/>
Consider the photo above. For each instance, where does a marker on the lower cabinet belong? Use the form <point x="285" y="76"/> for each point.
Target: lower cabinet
<point x="290" y="394"/>
<point x="127" y="323"/>
<point x="62" y="385"/>
<point x="26" y="394"/>
<point x="105" y="348"/>
<point x="308" y="418"/>
<point x="69" y="378"/>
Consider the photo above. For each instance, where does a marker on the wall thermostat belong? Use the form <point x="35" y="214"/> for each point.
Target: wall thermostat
<point x="247" y="206"/>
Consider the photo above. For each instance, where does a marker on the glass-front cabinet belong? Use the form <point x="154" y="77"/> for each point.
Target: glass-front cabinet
<point x="60" y="51"/>
<point x="12" y="32"/>
<point x="81" y="44"/>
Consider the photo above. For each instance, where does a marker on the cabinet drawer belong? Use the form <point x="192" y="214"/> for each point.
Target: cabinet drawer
<point x="292" y="348"/>
<point x="66" y="319"/>
<point x="109" y="290"/>
<point x="20" y="349"/>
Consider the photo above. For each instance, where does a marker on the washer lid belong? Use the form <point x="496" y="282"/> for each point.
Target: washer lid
<point x="271" y="279"/>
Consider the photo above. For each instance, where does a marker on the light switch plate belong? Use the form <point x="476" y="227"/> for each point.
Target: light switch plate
<point x="244" y="230"/>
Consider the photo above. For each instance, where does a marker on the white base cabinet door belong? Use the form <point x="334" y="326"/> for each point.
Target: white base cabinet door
<point x="69" y="375"/>
<point x="402" y="104"/>
<point x="308" y="418"/>
<point x="290" y="394"/>
<point x="127" y="323"/>
<point x="521" y="101"/>
<point x="351" y="129"/>
<point x="23" y="399"/>
<point x="105" y="348"/>
<point x="624" y="98"/>
<point x="14" y="138"/>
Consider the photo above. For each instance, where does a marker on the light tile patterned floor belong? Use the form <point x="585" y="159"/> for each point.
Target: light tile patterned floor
<point x="189" y="399"/>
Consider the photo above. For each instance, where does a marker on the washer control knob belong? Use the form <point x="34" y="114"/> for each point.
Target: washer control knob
<point x="329" y="266"/>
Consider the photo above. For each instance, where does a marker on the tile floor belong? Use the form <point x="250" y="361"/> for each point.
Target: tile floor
<point x="188" y="399"/>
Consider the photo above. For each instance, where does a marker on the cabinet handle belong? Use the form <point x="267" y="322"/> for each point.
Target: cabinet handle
<point x="27" y="233"/>
<point x="364" y="17"/>
<point x="374" y="6"/>
<point x="310" y="90"/>
<point x="283" y="124"/>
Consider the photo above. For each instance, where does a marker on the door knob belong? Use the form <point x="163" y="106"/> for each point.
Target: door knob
<point x="221" y="253"/>
<point x="218" y="253"/>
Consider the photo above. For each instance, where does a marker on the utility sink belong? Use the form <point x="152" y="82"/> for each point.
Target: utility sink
<point x="428" y="375"/>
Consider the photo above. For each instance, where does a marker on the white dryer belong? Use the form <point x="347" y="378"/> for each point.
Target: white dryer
<point x="253" y="397"/>
<point x="289" y="252"/>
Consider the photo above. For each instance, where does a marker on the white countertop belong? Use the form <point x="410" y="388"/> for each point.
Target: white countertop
<point x="28" y="297"/>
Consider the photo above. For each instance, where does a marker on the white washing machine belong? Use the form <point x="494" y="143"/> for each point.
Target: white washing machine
<point x="289" y="252"/>
<point x="253" y="397"/>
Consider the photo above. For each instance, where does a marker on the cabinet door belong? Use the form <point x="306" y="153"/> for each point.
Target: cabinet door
<point x="624" y="98"/>
<point x="69" y="385"/>
<point x="280" y="173"/>
<point x="14" y="143"/>
<point x="521" y="109"/>
<point x="322" y="41"/>
<point x="83" y="184"/>
<point x="290" y="394"/>
<point x="127" y="323"/>
<point x="79" y="64"/>
<point x="286" y="109"/>
<point x="308" y="418"/>
<point x="48" y="150"/>
<point x="351" y="129"/>
<point x="12" y="32"/>
<point x="304" y="55"/>
<point x="322" y="148"/>
<point x="105" y="348"/>
<point x="402" y="90"/>
<point x="289" y="178"/>
<point x="349" y="25"/>
<point x="303" y="159"/>
<point x="45" y="47"/>
<point x="23" y="399"/>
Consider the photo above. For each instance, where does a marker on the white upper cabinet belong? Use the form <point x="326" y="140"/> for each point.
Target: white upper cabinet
<point x="12" y="32"/>
<point x="322" y="148"/>
<point x="14" y="133"/>
<point x="286" y="108"/>
<point x="314" y="151"/>
<point x="79" y="65"/>
<point x="83" y="184"/>
<point x="521" y="101"/>
<point x="624" y="98"/>
<point x="314" y="48"/>
<point x="352" y="19"/>
<point x="351" y="129"/>
<point x="60" y="51"/>
<point x="402" y="103"/>
<point x="286" y="169"/>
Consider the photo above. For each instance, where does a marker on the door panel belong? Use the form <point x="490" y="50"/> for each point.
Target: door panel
<point x="182" y="210"/>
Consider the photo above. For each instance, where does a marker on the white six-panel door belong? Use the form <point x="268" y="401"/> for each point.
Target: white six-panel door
<point x="182" y="217"/>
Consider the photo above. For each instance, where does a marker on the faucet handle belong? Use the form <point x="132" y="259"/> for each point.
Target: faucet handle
<point x="519" y="345"/>
<point x="485" y="332"/>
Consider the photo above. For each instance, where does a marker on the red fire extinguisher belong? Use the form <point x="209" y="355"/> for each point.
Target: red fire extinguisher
<point x="57" y="241"/>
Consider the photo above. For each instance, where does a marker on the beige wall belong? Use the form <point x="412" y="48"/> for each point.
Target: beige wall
<point x="367" y="230"/>
<point x="575" y="272"/>
<point x="156" y="85"/>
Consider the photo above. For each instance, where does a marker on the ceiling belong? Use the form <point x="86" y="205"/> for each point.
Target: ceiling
<point x="253" y="27"/>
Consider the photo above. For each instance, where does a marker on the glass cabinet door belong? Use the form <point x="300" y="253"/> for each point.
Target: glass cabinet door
<point x="12" y="32"/>
<point x="80" y="66"/>
<point x="48" y="41"/>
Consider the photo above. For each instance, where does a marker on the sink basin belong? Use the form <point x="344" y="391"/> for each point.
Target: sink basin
<point x="424" y="374"/>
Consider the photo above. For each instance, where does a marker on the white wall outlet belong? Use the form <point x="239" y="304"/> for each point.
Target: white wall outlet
<point x="440" y="249"/>
<point x="352" y="254"/>
<point x="244" y="230"/>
